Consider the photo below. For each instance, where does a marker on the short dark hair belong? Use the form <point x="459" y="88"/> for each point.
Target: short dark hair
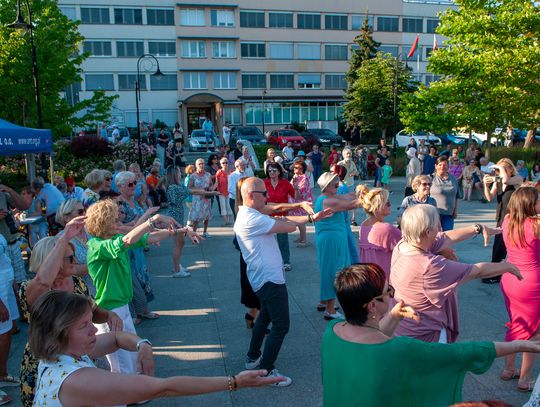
<point x="356" y="286"/>
<point x="52" y="315"/>
<point x="276" y="166"/>
<point x="441" y="159"/>
<point x="302" y="164"/>
<point x="340" y="171"/>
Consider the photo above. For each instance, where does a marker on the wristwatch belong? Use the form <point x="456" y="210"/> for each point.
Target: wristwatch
<point x="138" y="347"/>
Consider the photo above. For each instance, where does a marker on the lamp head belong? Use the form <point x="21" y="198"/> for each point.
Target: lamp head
<point x="158" y="75"/>
<point x="19" y="24"/>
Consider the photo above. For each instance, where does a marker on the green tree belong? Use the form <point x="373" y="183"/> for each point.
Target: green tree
<point x="57" y="46"/>
<point x="371" y="96"/>
<point x="489" y="66"/>
<point x="367" y="49"/>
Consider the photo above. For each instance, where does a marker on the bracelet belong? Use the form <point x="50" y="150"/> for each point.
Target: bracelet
<point x="478" y="228"/>
<point x="230" y="383"/>
<point x="235" y="384"/>
<point x="310" y="218"/>
<point x="138" y="347"/>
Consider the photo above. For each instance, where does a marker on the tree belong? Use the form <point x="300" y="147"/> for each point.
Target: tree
<point x="367" y="49"/>
<point x="371" y="96"/>
<point x="489" y="66"/>
<point x="57" y="46"/>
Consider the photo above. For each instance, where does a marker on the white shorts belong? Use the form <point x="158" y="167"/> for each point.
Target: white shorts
<point x="7" y="295"/>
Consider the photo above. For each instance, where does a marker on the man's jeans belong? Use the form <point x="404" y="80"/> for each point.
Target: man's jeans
<point x="274" y="308"/>
<point x="283" y="243"/>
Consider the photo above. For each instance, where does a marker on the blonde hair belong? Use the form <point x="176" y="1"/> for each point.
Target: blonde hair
<point x="417" y="220"/>
<point x="94" y="178"/>
<point x="507" y="162"/>
<point x="40" y="252"/>
<point x="418" y="180"/>
<point x="190" y="169"/>
<point x="270" y="150"/>
<point x="65" y="209"/>
<point x="101" y="218"/>
<point x="372" y="200"/>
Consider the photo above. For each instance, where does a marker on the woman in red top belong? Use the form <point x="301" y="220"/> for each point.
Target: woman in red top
<point x="222" y="186"/>
<point x="333" y="157"/>
<point x="279" y="191"/>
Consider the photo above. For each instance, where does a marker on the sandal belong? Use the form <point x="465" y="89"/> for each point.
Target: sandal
<point x="526" y="386"/>
<point x="507" y="374"/>
<point x="150" y="315"/>
<point x="9" y="380"/>
<point x="137" y="321"/>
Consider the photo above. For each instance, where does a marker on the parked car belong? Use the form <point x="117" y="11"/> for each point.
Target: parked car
<point x="452" y="138"/>
<point x="403" y="138"/>
<point x="324" y="137"/>
<point x="280" y="138"/>
<point x="250" y="133"/>
<point x="197" y="141"/>
<point x="122" y="137"/>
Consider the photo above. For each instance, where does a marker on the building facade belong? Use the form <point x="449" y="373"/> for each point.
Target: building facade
<point x="249" y="63"/>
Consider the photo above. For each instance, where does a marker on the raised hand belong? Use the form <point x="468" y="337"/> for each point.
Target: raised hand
<point x="400" y="310"/>
<point x="74" y="227"/>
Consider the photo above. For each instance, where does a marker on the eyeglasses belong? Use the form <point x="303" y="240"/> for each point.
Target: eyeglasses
<point x="108" y="179"/>
<point x="263" y="193"/>
<point x="79" y="211"/>
<point x="426" y="184"/>
<point x="131" y="184"/>
<point x="390" y="292"/>
<point x="272" y="170"/>
<point x="71" y="259"/>
<point x="224" y="162"/>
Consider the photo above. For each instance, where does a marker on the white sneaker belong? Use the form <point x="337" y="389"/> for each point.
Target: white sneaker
<point x="284" y="383"/>
<point x="182" y="273"/>
<point x="253" y="364"/>
<point x="287" y="267"/>
<point x="335" y="315"/>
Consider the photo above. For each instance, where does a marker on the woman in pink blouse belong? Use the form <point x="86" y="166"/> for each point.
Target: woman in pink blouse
<point x="428" y="281"/>
<point x="521" y="234"/>
<point x="302" y="193"/>
<point x="377" y="237"/>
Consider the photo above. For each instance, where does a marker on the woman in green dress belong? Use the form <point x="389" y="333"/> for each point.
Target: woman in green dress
<point x="364" y="365"/>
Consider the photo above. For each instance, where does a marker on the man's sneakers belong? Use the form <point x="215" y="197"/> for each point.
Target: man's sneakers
<point x="284" y="383"/>
<point x="253" y="364"/>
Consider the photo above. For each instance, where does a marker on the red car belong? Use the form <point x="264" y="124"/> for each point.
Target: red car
<point x="281" y="137"/>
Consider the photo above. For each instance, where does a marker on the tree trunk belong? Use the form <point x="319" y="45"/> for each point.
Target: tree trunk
<point x="529" y="140"/>
<point x="488" y="144"/>
<point x="383" y="131"/>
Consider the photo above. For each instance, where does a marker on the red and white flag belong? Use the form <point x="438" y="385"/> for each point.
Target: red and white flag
<point x="435" y="45"/>
<point x="413" y="48"/>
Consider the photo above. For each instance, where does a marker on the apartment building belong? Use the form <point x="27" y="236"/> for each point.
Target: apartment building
<point x="247" y="63"/>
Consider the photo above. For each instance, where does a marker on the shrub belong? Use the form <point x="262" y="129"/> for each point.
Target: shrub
<point x="86" y="146"/>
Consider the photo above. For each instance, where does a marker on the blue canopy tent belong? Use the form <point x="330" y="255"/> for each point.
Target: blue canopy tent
<point x="24" y="140"/>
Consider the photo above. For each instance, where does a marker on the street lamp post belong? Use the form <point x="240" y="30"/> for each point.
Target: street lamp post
<point x="20" y="24"/>
<point x="264" y="92"/>
<point x="158" y="75"/>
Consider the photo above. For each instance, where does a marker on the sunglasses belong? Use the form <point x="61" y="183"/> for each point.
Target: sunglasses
<point x="390" y="292"/>
<point x="298" y="168"/>
<point x="108" y="179"/>
<point x="263" y="193"/>
<point x="71" y="259"/>
<point x="224" y="162"/>
<point x="80" y="211"/>
<point x="426" y="184"/>
<point x="131" y="184"/>
<point x="272" y="170"/>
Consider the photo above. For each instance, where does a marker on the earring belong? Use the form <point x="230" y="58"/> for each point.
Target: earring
<point x="373" y="317"/>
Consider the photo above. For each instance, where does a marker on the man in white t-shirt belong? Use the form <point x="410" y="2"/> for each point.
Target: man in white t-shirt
<point x="226" y="133"/>
<point x="256" y="232"/>
<point x="288" y="152"/>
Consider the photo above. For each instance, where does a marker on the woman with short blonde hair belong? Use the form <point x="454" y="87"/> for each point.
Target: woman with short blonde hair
<point x="94" y="181"/>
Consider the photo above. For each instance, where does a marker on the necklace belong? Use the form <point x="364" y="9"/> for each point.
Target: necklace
<point x="417" y="247"/>
<point x="373" y="327"/>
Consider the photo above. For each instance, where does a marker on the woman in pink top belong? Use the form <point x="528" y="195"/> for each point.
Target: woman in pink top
<point x="521" y="234"/>
<point x="377" y="238"/>
<point x="428" y="281"/>
<point x="222" y="186"/>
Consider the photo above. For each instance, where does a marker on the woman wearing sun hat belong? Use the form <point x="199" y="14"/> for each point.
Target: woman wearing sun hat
<point x="331" y="239"/>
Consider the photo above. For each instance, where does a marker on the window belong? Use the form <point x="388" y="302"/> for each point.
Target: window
<point x="282" y="81"/>
<point x="280" y="20"/>
<point x="389" y="49"/>
<point x="162" y="48"/>
<point x="195" y="80"/>
<point x="99" y="82"/>
<point x="224" y="80"/>
<point x="159" y="16"/>
<point x="308" y="51"/>
<point x="166" y="116"/>
<point x="309" y="81"/>
<point x="192" y="17"/>
<point x="127" y="16"/>
<point x="253" y="50"/>
<point x="308" y="21"/>
<point x="280" y="50"/>
<point x="358" y="21"/>
<point x="193" y="49"/>
<point x="232" y="115"/>
<point x="222" y="18"/>
<point x="69" y="12"/>
<point x="253" y="80"/>
<point x="129" y="49"/>
<point x="252" y="19"/>
<point x="95" y="16"/>
<point x="335" y="81"/>
<point x="127" y="82"/>
<point x="431" y="25"/>
<point x="98" y="48"/>
<point x="335" y="22"/>
<point x="223" y="49"/>
<point x="412" y="25"/>
<point x="388" y="24"/>
<point x="335" y="52"/>
<point x="72" y="94"/>
<point x="166" y="82"/>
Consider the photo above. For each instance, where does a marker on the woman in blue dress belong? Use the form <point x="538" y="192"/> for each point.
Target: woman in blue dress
<point x="331" y="240"/>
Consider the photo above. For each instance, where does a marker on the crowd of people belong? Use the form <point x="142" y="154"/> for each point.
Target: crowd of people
<point x="390" y="291"/>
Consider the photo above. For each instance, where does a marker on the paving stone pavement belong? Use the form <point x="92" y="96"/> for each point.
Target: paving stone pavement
<point x="201" y="330"/>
